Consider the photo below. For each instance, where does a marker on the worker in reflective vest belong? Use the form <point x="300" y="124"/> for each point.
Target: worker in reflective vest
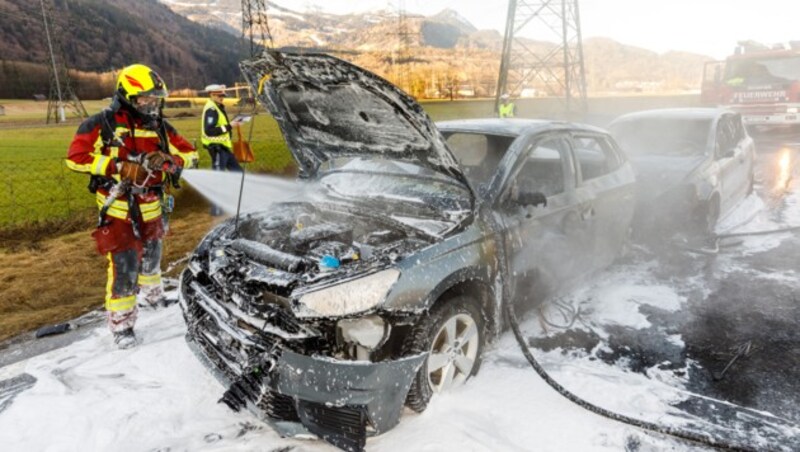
<point x="133" y="154"/>
<point x="507" y="108"/>
<point x="216" y="132"/>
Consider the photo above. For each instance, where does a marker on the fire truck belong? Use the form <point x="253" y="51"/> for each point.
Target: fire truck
<point x="761" y="83"/>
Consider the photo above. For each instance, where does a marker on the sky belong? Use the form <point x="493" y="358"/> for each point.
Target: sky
<point x="707" y="27"/>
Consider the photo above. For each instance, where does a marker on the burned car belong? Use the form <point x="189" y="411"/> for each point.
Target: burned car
<point x="384" y="283"/>
<point x="692" y="165"/>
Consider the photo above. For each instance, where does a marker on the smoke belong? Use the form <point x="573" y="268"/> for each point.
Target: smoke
<point x="222" y="189"/>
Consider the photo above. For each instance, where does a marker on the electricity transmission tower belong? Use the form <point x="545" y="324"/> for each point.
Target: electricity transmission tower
<point x="61" y="93"/>
<point x="402" y="60"/>
<point x="255" y="26"/>
<point x="557" y="69"/>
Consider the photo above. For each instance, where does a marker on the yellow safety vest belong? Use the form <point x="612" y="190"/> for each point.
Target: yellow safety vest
<point x="506" y="110"/>
<point x="222" y="120"/>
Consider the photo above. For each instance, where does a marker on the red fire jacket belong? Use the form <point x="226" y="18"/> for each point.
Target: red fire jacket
<point x="106" y="137"/>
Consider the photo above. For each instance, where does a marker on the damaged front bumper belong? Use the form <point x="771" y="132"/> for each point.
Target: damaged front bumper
<point x="340" y="401"/>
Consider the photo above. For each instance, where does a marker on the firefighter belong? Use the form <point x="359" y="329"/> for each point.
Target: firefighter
<point x="216" y="132"/>
<point x="507" y="108"/>
<point x="132" y="154"/>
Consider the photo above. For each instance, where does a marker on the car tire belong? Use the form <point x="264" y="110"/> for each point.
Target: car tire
<point x="453" y="333"/>
<point x="709" y="215"/>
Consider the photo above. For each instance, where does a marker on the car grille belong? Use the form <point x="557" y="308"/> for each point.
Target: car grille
<point x="229" y="356"/>
<point x="278" y="406"/>
<point x="344" y="427"/>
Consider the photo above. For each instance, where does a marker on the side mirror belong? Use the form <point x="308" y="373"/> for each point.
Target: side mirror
<point x="534" y="199"/>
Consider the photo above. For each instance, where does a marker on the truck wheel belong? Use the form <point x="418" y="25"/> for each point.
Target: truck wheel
<point x="453" y="333"/>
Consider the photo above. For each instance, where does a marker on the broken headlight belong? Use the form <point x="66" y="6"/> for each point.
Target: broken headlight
<point x="351" y="297"/>
<point x="368" y="331"/>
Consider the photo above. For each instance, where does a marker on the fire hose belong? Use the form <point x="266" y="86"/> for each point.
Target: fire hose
<point x="716" y="238"/>
<point x="651" y="426"/>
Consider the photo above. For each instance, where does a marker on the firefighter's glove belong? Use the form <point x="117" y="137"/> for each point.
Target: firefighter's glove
<point x="132" y="172"/>
<point x="159" y="161"/>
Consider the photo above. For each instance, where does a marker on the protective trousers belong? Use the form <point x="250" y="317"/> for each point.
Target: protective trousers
<point x="133" y="278"/>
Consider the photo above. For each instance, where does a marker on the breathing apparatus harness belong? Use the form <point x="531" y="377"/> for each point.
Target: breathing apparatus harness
<point x="127" y="188"/>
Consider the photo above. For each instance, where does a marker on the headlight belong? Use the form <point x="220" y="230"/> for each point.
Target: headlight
<point x="351" y="297"/>
<point x="791" y="110"/>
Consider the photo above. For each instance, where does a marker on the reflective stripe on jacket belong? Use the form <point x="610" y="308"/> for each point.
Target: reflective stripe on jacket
<point x="149" y="206"/>
<point x="221" y="123"/>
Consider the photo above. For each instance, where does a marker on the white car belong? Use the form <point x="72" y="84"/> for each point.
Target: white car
<point x="693" y="165"/>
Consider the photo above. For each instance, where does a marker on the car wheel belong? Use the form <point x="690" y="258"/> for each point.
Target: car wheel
<point x="453" y="333"/>
<point x="709" y="217"/>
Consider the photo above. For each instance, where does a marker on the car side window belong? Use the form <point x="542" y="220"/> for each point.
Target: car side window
<point x="726" y="136"/>
<point x="596" y="156"/>
<point x="542" y="172"/>
<point x="478" y="154"/>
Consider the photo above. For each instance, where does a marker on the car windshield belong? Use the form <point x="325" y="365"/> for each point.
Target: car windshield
<point x="677" y="137"/>
<point x="395" y="187"/>
<point x="763" y="70"/>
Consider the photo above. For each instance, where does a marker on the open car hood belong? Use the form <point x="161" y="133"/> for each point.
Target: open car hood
<point x="328" y="108"/>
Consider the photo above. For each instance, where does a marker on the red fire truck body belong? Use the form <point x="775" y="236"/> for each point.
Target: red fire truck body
<point x="761" y="84"/>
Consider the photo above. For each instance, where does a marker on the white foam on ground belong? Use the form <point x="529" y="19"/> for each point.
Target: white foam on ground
<point x="92" y="397"/>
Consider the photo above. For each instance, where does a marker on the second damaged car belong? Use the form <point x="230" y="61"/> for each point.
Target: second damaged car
<point x="383" y="285"/>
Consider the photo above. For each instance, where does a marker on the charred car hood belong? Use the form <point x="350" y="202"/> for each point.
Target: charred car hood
<point x="328" y="108"/>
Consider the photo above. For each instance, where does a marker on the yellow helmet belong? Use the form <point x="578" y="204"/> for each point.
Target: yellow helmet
<point x="139" y="80"/>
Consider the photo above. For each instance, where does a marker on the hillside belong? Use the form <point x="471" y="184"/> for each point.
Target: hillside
<point x="105" y="35"/>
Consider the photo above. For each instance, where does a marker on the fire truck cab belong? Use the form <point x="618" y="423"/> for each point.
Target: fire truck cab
<point x="761" y="83"/>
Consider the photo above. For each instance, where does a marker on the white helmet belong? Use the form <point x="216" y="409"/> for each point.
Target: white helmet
<point x="215" y="89"/>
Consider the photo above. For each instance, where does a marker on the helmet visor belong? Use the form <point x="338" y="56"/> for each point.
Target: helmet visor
<point x="148" y="105"/>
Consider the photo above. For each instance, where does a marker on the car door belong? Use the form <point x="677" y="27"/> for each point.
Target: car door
<point x="606" y="193"/>
<point x="745" y="153"/>
<point x="542" y="243"/>
<point x="729" y="157"/>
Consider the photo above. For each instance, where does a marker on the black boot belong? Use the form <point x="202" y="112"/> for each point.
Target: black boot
<point x="125" y="338"/>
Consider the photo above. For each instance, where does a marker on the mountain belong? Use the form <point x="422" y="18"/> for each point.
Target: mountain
<point x="195" y="42"/>
<point x="446" y="46"/>
<point x="106" y="35"/>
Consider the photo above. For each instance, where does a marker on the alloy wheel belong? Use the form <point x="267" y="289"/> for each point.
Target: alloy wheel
<point x="453" y="353"/>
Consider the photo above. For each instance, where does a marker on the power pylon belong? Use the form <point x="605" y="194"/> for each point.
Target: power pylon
<point x="255" y="25"/>
<point x="403" y="58"/>
<point x="557" y="68"/>
<point x="61" y="93"/>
